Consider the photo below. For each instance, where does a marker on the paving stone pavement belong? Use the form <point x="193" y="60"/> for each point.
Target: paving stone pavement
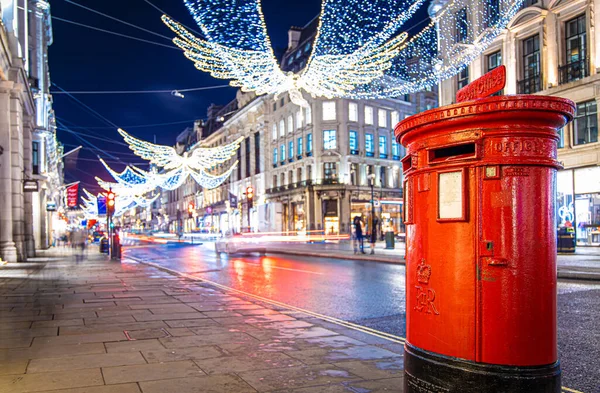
<point x="108" y="327"/>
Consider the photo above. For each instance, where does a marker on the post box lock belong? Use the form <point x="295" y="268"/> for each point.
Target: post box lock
<point x="486" y="248"/>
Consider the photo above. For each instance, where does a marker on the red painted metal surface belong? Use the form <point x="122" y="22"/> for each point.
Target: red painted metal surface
<point x="481" y="247"/>
<point x="488" y="84"/>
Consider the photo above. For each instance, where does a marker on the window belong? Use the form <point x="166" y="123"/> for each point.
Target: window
<point x="462" y="25"/>
<point x="35" y="158"/>
<point x="275" y="157"/>
<point x="561" y="138"/>
<point x="494" y="60"/>
<point x="299" y="147"/>
<point x="281" y="128"/>
<point x="368" y="115"/>
<point x="406" y="97"/>
<point x="369" y="146"/>
<point x="257" y="153"/>
<point x="274" y="106"/>
<point x="307" y="47"/>
<point x="576" y="66"/>
<point x="382" y="176"/>
<point x="328" y="110"/>
<point x="383" y="153"/>
<point x="290" y="123"/>
<point x="309" y="144"/>
<point x="353" y="174"/>
<point x="247" y="144"/>
<point x="395" y="150"/>
<point x="282" y="152"/>
<point x="463" y="78"/>
<point x="382" y="118"/>
<point x="586" y="123"/>
<point x="291" y="151"/>
<point x="282" y="102"/>
<point x="282" y="181"/>
<point x="274" y="181"/>
<point x="353" y="138"/>
<point x="395" y="118"/>
<point x="352" y="111"/>
<point x="531" y="82"/>
<point x="329" y="139"/>
<point x="330" y="170"/>
<point x="299" y="119"/>
<point x="308" y="115"/>
<point x="274" y="132"/>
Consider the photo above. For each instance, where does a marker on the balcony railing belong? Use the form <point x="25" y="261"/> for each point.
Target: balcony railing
<point x="574" y="71"/>
<point x="530" y="85"/>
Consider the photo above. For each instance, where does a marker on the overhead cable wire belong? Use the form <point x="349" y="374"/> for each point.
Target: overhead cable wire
<point x="136" y="125"/>
<point x="91" y="136"/>
<point x="114" y="33"/>
<point x="119" y="20"/>
<point x="86" y="106"/>
<point x="139" y="91"/>
<point x="166" y="13"/>
<point x="96" y="148"/>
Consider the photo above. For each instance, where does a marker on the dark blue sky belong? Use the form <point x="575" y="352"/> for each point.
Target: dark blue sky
<point x="84" y="59"/>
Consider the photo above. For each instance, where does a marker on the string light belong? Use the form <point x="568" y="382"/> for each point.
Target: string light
<point x="359" y="49"/>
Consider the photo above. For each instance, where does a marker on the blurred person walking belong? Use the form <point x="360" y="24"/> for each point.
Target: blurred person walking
<point x="78" y="238"/>
<point x="358" y="235"/>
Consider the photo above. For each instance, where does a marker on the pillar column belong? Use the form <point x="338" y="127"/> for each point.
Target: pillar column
<point x="8" y="251"/>
<point x="16" y="119"/>
<point x="28" y="197"/>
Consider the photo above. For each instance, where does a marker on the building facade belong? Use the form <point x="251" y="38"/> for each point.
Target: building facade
<point x="552" y="47"/>
<point x="28" y="147"/>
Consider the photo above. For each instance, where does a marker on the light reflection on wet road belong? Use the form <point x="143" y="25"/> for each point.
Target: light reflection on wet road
<point x="373" y="295"/>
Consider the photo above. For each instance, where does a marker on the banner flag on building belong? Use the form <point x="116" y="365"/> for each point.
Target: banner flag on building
<point x="72" y="195"/>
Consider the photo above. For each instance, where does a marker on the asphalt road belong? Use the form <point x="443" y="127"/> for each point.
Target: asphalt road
<point x="373" y="295"/>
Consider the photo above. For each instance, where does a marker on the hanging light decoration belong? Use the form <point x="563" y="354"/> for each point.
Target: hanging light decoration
<point x="360" y="50"/>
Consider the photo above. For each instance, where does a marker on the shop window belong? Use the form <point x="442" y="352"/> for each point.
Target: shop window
<point x="353" y="141"/>
<point x="369" y="145"/>
<point x="586" y="123"/>
<point x="352" y="111"/>
<point x="309" y="144"/>
<point x="382" y="118"/>
<point x="35" y="158"/>
<point x="531" y="66"/>
<point x="329" y="139"/>
<point x="383" y="150"/>
<point x="576" y="58"/>
<point x="328" y="110"/>
<point x="368" y="114"/>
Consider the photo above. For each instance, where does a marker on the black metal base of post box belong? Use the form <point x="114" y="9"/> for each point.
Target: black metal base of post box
<point x="433" y="373"/>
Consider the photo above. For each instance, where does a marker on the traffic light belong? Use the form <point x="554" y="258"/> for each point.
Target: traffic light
<point x="191" y="210"/>
<point x="250" y="195"/>
<point x="110" y="203"/>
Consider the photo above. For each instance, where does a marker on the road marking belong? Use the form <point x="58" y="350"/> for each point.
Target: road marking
<point x="340" y="322"/>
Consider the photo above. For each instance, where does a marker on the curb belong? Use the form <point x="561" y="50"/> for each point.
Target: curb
<point x="367" y="258"/>
<point x="571" y="275"/>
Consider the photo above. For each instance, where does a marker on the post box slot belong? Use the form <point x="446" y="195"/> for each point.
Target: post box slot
<point x="455" y="152"/>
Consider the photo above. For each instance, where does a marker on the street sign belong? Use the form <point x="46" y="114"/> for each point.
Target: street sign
<point x="51" y="206"/>
<point x="488" y="84"/>
<point x="101" y="201"/>
<point x="30" y="186"/>
<point x="233" y="200"/>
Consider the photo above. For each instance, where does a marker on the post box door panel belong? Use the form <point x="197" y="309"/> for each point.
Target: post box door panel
<point x="514" y="278"/>
<point x="442" y="264"/>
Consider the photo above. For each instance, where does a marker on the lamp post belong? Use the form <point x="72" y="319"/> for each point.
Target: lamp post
<point x="372" y="184"/>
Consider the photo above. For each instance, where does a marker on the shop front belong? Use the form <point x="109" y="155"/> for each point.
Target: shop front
<point x="331" y="218"/>
<point x="298" y="216"/>
<point x="578" y="203"/>
<point x="388" y="212"/>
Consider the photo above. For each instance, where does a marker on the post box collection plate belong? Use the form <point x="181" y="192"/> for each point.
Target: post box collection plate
<point x="481" y="248"/>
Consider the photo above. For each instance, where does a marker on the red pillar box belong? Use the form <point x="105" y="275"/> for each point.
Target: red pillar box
<point x="481" y="247"/>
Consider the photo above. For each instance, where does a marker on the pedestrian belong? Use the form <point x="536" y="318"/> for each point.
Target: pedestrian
<point x="358" y="235"/>
<point x="373" y="237"/>
<point x="78" y="238"/>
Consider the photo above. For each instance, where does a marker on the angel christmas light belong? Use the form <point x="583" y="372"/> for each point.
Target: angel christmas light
<point x="360" y="50"/>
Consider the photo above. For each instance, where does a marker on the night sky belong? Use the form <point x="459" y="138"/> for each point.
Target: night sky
<point x="82" y="59"/>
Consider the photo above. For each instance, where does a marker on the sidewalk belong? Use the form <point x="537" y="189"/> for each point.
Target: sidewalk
<point x="109" y="327"/>
<point x="583" y="265"/>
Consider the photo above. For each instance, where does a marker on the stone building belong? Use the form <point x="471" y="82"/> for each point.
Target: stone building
<point x="28" y="147"/>
<point x="552" y="47"/>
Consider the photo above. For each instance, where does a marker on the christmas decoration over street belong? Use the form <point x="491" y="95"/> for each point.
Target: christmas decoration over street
<point x="360" y="50"/>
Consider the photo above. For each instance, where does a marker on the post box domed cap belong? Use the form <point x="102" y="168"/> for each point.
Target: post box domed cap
<point x="556" y="111"/>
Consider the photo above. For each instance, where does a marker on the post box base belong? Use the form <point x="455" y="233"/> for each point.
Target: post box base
<point x="429" y="372"/>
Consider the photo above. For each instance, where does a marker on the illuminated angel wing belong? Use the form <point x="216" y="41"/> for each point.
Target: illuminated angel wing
<point x="162" y="156"/>
<point x="203" y="158"/>
<point x="236" y="45"/>
<point x="208" y="181"/>
<point x="129" y="175"/>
